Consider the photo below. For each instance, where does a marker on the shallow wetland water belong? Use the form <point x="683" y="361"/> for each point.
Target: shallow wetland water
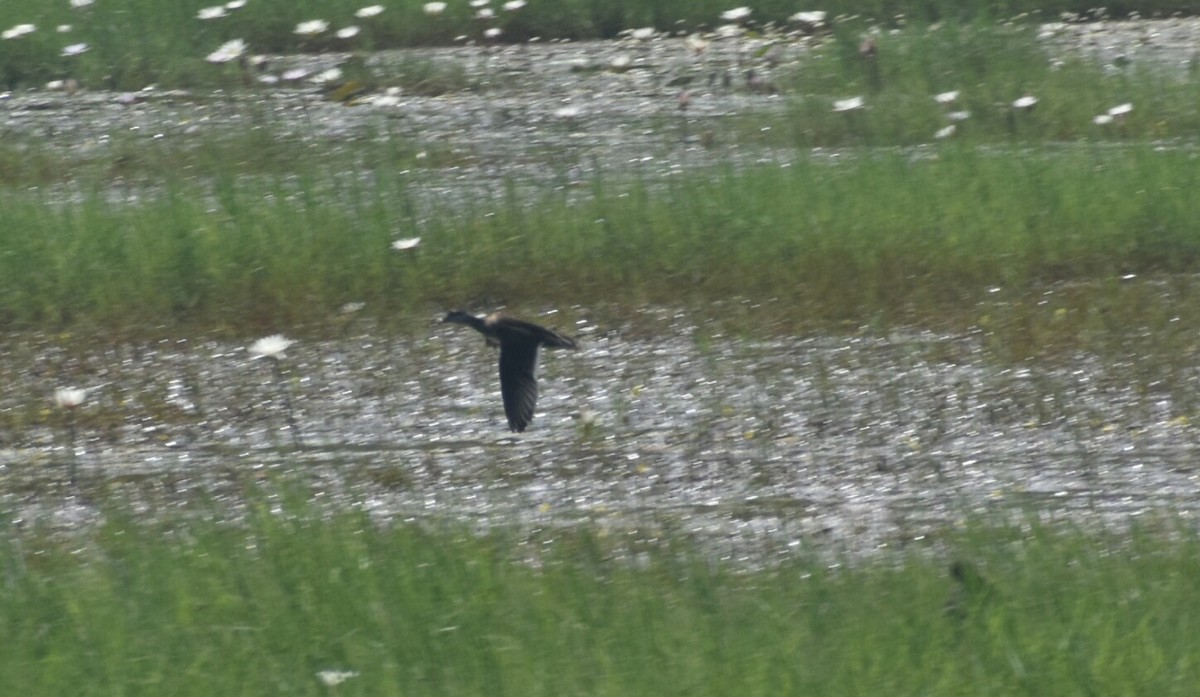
<point x="753" y="447"/>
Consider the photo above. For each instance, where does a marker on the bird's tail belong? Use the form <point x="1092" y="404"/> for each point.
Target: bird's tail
<point x="553" y="339"/>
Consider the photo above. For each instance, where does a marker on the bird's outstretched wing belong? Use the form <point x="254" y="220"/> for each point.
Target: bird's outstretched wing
<point x="535" y="332"/>
<point x="518" y="381"/>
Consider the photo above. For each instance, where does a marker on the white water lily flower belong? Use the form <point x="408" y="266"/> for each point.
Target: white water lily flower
<point x="368" y="11"/>
<point x="69" y="397"/>
<point x="74" y="49"/>
<point x="737" y="14"/>
<point x="228" y="51"/>
<point x="1102" y="119"/>
<point x="325" y="76"/>
<point x="696" y="43"/>
<point x="513" y="5"/>
<point x="406" y="243"/>
<point x="946" y="97"/>
<point x="433" y="9"/>
<point x="18" y="31"/>
<point x="945" y="132"/>
<point x="333" y="678"/>
<point x="620" y="62"/>
<point x="81" y="3"/>
<point x="270" y="347"/>
<point x="312" y="27"/>
<point x="849" y="104"/>
<point x="235" y="4"/>
<point x="729" y="31"/>
<point x="485" y="13"/>
<point x="492" y="32"/>
<point x="959" y="115"/>
<point x="1121" y="109"/>
<point x="643" y="33"/>
<point x="211" y="12"/>
<point x="1026" y="102"/>
<point x="63" y="28"/>
<point x="814" y="18"/>
<point x="348" y="32"/>
<point x="480" y="3"/>
<point x="587" y="418"/>
<point x="293" y="74"/>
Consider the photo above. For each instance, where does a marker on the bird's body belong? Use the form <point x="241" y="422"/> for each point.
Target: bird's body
<point x="518" y="341"/>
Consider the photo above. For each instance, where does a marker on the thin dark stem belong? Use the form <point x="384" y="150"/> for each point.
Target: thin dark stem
<point x="287" y="403"/>
<point x="71" y="465"/>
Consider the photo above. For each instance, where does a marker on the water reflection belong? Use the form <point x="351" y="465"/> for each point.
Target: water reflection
<point x="765" y="445"/>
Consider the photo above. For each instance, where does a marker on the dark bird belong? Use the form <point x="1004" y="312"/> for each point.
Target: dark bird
<point x="518" y="341"/>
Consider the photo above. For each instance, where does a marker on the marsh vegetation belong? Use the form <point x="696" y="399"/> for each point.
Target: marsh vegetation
<point x="887" y="379"/>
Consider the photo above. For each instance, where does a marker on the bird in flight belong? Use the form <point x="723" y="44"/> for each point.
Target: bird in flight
<point x="518" y="341"/>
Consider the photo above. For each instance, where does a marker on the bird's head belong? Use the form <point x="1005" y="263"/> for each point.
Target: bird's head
<point x="458" y="317"/>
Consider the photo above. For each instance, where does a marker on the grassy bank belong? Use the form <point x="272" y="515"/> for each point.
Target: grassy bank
<point x="1065" y="245"/>
<point x="980" y="71"/>
<point x="873" y="237"/>
<point x="196" y="607"/>
<point x="128" y="44"/>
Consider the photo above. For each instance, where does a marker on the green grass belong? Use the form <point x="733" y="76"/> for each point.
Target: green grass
<point x="194" y="606"/>
<point x="137" y="42"/>
<point x="992" y="229"/>
<point x="990" y="66"/>
<point x="1088" y="244"/>
<point x="883" y="236"/>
